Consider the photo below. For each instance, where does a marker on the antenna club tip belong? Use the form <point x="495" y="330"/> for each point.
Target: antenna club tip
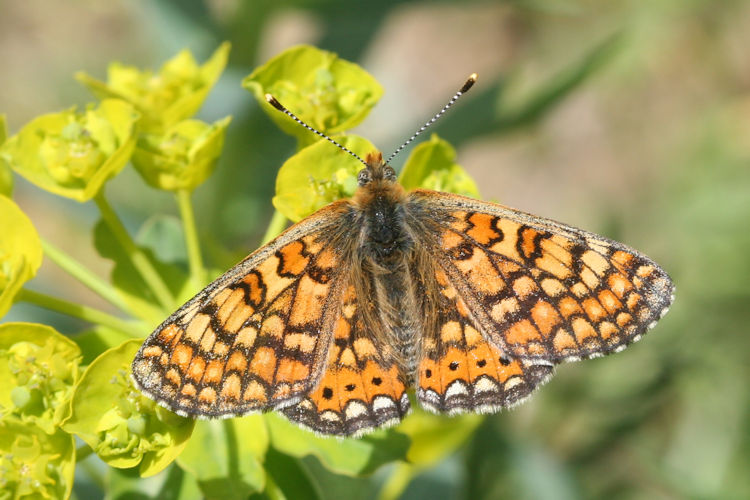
<point x="273" y="102"/>
<point x="469" y="83"/>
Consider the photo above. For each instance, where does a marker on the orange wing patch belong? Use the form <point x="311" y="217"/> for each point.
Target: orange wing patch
<point x="256" y="339"/>
<point x="460" y="371"/>
<point x="361" y="389"/>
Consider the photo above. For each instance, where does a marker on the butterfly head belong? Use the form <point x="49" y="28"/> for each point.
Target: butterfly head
<point x="376" y="170"/>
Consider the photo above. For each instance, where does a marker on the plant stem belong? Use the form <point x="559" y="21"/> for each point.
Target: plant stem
<point x="82" y="274"/>
<point x="277" y="224"/>
<point x="197" y="272"/>
<point x="272" y="490"/>
<point x="397" y="482"/>
<point x="94" y="473"/>
<point x="82" y="312"/>
<point x="144" y="267"/>
<point x="83" y="452"/>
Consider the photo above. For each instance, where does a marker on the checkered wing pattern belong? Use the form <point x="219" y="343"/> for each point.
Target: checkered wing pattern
<point x="460" y="371"/>
<point x="258" y="337"/>
<point x="362" y="387"/>
<point x="540" y="290"/>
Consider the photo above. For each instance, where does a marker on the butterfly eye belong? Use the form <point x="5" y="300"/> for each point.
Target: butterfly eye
<point x="388" y="173"/>
<point x="363" y="177"/>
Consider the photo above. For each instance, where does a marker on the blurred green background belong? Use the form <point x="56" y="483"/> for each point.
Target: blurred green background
<point x="631" y="119"/>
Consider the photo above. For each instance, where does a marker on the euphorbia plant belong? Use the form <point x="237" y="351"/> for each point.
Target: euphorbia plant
<point x="58" y="387"/>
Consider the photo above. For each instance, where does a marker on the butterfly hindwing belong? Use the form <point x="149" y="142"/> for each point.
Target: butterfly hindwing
<point x="541" y="290"/>
<point x="361" y="388"/>
<point x="460" y="371"/>
<point x="255" y="339"/>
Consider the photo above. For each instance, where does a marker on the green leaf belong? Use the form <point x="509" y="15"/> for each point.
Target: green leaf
<point x="183" y="156"/>
<point x="71" y="153"/>
<point x="20" y="252"/>
<point x="129" y="283"/>
<point x="433" y="437"/>
<point x="123" y="427"/>
<point x="348" y="456"/>
<point x="164" y="236"/>
<point x="172" y="483"/>
<point x="546" y="96"/>
<point x="38" y="367"/>
<point x="328" y="93"/>
<point x="318" y="175"/>
<point x="287" y="478"/>
<point x="432" y="165"/>
<point x="6" y="178"/>
<point x="174" y="93"/>
<point x="97" y="340"/>
<point x="34" y="464"/>
<point x="225" y="456"/>
<point x="509" y="103"/>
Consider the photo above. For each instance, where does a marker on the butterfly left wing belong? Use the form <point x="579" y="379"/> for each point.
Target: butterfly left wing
<point x="257" y="338"/>
<point x="540" y="290"/>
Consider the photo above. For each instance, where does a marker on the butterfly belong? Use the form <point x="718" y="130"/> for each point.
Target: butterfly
<point x="470" y="303"/>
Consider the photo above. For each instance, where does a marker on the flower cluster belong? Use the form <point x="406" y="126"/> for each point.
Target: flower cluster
<point x="58" y="388"/>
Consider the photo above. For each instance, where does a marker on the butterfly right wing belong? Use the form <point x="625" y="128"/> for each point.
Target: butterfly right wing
<point x="543" y="291"/>
<point x="257" y="338"/>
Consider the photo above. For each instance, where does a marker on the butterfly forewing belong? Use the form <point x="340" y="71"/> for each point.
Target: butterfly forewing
<point x="541" y="290"/>
<point x="257" y="338"/>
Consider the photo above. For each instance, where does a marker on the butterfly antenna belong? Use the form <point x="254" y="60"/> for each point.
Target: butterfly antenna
<point x="471" y="81"/>
<point x="276" y="104"/>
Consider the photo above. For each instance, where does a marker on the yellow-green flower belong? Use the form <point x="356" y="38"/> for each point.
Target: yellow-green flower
<point x="20" y="252"/>
<point x="6" y="178"/>
<point x="121" y="425"/>
<point x="38" y="367"/>
<point x="328" y="93"/>
<point x="318" y="175"/>
<point x="34" y="464"/>
<point x="182" y="157"/>
<point x="321" y="173"/>
<point x="432" y="165"/>
<point x="166" y="97"/>
<point x="71" y="153"/>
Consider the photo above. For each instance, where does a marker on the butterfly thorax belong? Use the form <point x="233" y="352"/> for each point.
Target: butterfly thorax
<point x="380" y="202"/>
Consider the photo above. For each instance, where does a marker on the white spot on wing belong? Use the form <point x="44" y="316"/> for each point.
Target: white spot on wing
<point x="485" y="384"/>
<point x="455" y="389"/>
<point x="382" y="402"/>
<point x="330" y="416"/>
<point x="512" y="382"/>
<point x="354" y="410"/>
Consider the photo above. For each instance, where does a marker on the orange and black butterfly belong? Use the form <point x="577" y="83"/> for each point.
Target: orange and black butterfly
<point x="470" y="303"/>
